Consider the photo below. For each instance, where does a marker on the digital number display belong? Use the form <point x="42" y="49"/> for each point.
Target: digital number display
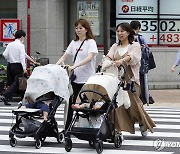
<point x="164" y="26"/>
<point x="159" y="27"/>
<point x="169" y="31"/>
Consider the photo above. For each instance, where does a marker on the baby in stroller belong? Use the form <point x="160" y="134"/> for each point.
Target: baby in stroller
<point x="93" y="124"/>
<point x="94" y="105"/>
<point x="47" y="88"/>
<point x="43" y="105"/>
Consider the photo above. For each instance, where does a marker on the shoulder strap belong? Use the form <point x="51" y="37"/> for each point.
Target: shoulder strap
<point x="139" y="39"/>
<point x="78" y="51"/>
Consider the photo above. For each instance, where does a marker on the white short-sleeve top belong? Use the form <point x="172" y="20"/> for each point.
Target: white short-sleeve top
<point x="83" y="72"/>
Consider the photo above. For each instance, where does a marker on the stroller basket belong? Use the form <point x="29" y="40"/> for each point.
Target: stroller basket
<point x="91" y="134"/>
<point x="88" y="134"/>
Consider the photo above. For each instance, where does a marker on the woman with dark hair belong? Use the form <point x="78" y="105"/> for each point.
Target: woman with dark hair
<point x="128" y="53"/>
<point x="84" y="50"/>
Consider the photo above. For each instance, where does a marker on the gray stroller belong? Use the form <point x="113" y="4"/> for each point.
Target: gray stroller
<point x="95" y="126"/>
<point x="49" y="82"/>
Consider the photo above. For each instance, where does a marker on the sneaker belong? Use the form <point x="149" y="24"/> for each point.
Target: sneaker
<point x="122" y="138"/>
<point x="19" y="104"/>
<point x="144" y="133"/>
<point x="3" y="99"/>
<point x="151" y="100"/>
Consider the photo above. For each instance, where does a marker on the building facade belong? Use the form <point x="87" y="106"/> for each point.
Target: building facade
<point x="51" y="27"/>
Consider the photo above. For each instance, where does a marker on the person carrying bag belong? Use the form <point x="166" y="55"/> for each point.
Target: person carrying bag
<point x="84" y="50"/>
<point x="72" y="77"/>
<point x="147" y="63"/>
<point x="147" y="55"/>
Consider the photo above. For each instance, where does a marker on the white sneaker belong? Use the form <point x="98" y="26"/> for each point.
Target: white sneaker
<point x="143" y="132"/>
<point x="122" y="138"/>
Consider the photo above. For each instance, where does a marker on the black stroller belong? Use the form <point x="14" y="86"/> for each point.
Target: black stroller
<point x="27" y="124"/>
<point x="102" y="86"/>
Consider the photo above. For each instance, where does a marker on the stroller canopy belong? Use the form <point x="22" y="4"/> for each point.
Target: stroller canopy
<point x="104" y="83"/>
<point x="48" y="78"/>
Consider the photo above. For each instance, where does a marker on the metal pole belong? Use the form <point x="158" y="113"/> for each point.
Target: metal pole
<point x="28" y="33"/>
<point x="106" y="23"/>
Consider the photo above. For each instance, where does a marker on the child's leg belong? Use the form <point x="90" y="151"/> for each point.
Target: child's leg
<point x="27" y="106"/>
<point x="45" y="115"/>
<point x="77" y="106"/>
<point x="44" y="107"/>
<point x="98" y="105"/>
<point x="23" y="107"/>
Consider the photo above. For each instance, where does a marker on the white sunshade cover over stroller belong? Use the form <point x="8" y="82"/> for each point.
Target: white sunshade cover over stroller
<point x="48" y="78"/>
<point x="106" y="84"/>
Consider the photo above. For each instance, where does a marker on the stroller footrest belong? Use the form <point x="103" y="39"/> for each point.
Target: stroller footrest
<point x="26" y="111"/>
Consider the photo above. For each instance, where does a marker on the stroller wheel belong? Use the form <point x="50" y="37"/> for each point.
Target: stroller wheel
<point x="13" y="142"/>
<point x="60" y="137"/>
<point x="118" y="141"/>
<point x="68" y="145"/>
<point x="38" y="144"/>
<point x="99" y="146"/>
<point x="91" y="143"/>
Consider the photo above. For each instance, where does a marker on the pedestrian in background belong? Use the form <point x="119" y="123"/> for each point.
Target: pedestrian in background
<point x="177" y="62"/>
<point x="15" y="55"/>
<point x="146" y="98"/>
<point x="10" y="76"/>
<point x="84" y="50"/>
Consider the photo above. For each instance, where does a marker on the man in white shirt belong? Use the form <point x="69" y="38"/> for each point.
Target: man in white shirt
<point x="15" y="55"/>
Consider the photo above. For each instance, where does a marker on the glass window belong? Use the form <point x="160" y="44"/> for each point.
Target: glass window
<point x="8" y="9"/>
<point x="90" y="10"/>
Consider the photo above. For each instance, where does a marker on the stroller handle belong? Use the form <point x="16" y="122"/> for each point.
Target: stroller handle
<point x="91" y="91"/>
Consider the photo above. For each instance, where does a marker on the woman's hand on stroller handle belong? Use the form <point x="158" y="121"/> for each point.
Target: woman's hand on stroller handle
<point x="118" y="63"/>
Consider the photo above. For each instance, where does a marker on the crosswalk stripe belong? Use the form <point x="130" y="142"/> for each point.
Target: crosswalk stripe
<point x="164" y="116"/>
<point x="13" y="120"/>
<point x="61" y="111"/>
<point x="74" y="140"/>
<point x="161" y="109"/>
<point x="10" y="111"/>
<point x="160" y="126"/>
<point x="161" y="116"/>
<point x="139" y="142"/>
<point x="163" y="112"/>
<point x="60" y="115"/>
<point x="73" y="151"/>
<point x="10" y="115"/>
<point x="155" y="134"/>
<point x="60" y="122"/>
<point x="165" y="120"/>
<point x="163" y="126"/>
<point x="61" y="107"/>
